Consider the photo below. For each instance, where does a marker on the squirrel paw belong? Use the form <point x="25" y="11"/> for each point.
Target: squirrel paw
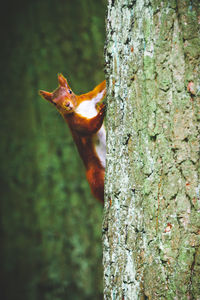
<point x="102" y="109"/>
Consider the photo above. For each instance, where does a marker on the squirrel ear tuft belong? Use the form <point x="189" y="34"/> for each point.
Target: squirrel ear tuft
<point x="46" y="95"/>
<point x="62" y="80"/>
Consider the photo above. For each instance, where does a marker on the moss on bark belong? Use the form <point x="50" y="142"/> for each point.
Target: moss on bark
<point x="151" y="232"/>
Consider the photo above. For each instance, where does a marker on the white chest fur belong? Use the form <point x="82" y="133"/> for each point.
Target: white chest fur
<point x="87" y="108"/>
<point x="100" y="145"/>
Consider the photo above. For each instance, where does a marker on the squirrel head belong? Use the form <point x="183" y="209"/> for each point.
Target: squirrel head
<point x="63" y="97"/>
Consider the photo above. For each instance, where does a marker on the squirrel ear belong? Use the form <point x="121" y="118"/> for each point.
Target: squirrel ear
<point x="46" y="95"/>
<point x="62" y="80"/>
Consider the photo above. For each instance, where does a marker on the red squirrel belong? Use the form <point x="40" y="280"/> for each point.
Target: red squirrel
<point x="85" y="119"/>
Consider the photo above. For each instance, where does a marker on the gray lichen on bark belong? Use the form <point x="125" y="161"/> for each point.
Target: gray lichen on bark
<point x="151" y="228"/>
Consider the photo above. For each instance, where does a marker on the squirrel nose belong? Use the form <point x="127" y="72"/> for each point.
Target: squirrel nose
<point x="68" y="105"/>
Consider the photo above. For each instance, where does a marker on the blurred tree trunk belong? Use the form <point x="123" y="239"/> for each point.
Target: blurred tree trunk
<point x="151" y="224"/>
<point x="50" y="224"/>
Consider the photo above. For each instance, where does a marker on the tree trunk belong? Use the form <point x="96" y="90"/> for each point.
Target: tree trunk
<point x="151" y="224"/>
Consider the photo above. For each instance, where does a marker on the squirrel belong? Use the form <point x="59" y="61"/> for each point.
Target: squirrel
<point x="84" y="116"/>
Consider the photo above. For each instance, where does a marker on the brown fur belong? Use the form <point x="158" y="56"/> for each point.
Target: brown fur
<point x="83" y="129"/>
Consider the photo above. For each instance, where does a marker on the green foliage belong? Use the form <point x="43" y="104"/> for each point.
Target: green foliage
<point x="50" y="223"/>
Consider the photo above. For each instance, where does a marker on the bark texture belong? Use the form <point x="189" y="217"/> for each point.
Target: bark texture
<point x="151" y="225"/>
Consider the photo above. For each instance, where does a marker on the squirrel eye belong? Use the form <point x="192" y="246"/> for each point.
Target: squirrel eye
<point x="70" y="91"/>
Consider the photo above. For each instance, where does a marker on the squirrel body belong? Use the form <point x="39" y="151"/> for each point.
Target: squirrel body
<point x="84" y="116"/>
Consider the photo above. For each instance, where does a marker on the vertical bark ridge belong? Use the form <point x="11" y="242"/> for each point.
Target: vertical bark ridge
<point x="151" y="223"/>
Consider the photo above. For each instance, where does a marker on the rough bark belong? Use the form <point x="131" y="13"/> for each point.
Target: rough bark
<point x="151" y="225"/>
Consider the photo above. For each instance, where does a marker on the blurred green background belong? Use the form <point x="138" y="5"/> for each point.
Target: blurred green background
<point x="50" y="233"/>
